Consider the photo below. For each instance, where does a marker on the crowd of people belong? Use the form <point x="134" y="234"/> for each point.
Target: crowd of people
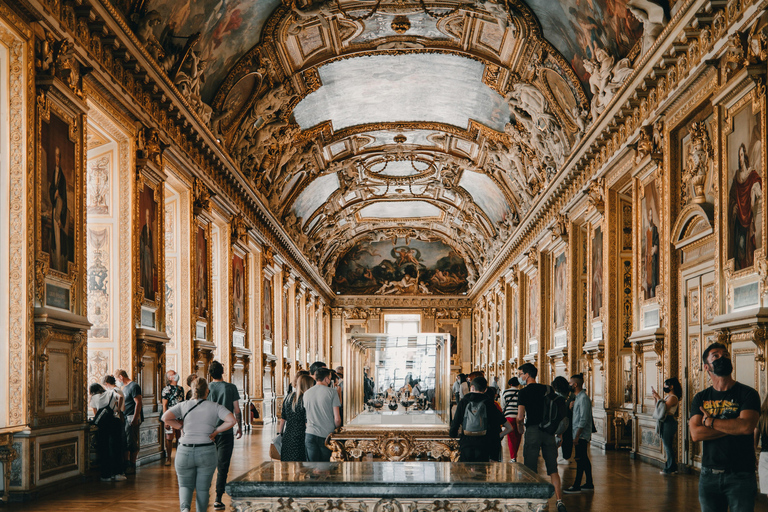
<point x="726" y="417"/>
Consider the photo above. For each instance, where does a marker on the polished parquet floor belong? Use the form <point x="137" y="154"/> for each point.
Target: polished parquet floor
<point x="621" y="484"/>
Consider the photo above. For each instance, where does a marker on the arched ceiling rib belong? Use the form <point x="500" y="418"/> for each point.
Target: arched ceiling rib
<point x="364" y="122"/>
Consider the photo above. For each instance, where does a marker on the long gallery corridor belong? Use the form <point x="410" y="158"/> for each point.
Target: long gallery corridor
<point x="620" y="484"/>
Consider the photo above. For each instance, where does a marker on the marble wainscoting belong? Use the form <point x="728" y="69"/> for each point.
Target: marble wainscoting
<point x="389" y="486"/>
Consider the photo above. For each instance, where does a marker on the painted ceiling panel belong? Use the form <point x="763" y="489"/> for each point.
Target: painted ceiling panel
<point x="486" y="194"/>
<point x="401" y="88"/>
<point x="399" y="210"/>
<point x="400" y="168"/>
<point x="414" y="267"/>
<point x="228" y="29"/>
<point x="380" y="25"/>
<point x="577" y="28"/>
<point x="315" y="195"/>
<point x="417" y="137"/>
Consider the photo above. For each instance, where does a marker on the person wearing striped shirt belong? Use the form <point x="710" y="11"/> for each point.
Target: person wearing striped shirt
<point x="510" y="412"/>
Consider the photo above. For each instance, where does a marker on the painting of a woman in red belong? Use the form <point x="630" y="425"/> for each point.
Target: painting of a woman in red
<point x="744" y="195"/>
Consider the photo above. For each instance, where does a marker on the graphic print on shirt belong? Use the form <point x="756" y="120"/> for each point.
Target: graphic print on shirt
<point x="722" y="409"/>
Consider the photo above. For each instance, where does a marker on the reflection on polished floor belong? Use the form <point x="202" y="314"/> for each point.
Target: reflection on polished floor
<point x="620" y="484"/>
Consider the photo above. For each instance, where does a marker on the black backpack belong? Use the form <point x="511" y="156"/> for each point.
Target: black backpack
<point x="555" y="418"/>
<point x="475" y="421"/>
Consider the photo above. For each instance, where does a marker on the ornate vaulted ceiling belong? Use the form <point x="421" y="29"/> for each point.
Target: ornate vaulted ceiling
<point x="429" y="126"/>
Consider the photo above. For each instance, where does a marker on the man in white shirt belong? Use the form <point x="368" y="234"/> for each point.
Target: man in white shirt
<point x="323" y="417"/>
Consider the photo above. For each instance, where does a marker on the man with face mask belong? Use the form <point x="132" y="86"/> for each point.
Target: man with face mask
<point x="724" y="417"/>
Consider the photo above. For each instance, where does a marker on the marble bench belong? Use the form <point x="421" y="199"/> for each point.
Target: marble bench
<point x="423" y="486"/>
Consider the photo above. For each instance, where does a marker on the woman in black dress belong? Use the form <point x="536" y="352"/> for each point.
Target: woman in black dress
<point x="293" y="423"/>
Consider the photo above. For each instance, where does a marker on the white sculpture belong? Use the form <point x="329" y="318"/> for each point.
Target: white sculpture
<point x="321" y="11"/>
<point x="653" y="18"/>
<point x="605" y="79"/>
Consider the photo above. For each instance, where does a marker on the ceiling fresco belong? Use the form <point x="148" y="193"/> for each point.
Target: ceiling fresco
<point x="402" y="88"/>
<point x="400" y="142"/>
<point x="401" y="267"/>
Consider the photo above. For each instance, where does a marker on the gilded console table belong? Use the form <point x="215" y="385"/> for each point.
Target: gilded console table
<point x="393" y="445"/>
<point x="389" y="487"/>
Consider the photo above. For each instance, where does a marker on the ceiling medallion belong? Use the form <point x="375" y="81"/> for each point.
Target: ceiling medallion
<point x="399" y="138"/>
<point x="401" y="24"/>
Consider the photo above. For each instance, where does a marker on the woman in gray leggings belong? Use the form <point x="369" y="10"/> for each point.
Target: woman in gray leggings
<point x="196" y="454"/>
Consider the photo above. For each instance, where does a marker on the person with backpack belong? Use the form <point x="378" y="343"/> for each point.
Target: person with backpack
<point x="540" y="414"/>
<point x="582" y="434"/>
<point x="480" y="420"/>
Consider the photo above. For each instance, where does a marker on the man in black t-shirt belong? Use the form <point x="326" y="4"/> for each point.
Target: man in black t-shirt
<point x="530" y="413"/>
<point x="479" y="448"/>
<point x="133" y="418"/>
<point x="724" y="417"/>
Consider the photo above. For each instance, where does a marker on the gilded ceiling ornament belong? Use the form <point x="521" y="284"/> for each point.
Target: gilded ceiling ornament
<point x="697" y="164"/>
<point x="532" y="257"/>
<point x="239" y="232"/>
<point x="201" y="195"/>
<point x="268" y="256"/>
<point x="596" y="194"/>
<point x="734" y="54"/>
<point x="653" y="18"/>
<point x="560" y="227"/>
<point x="401" y="24"/>
<point x="757" y="41"/>
<point x="149" y="147"/>
<point x="605" y="78"/>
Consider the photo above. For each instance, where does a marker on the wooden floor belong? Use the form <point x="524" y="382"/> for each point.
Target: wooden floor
<point x="620" y="484"/>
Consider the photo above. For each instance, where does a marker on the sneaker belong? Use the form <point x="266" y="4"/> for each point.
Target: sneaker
<point x="561" y="506"/>
<point x="572" y="489"/>
<point x="119" y="478"/>
<point x="512" y="460"/>
<point x="588" y="487"/>
<point x="107" y="479"/>
<point x="217" y="505"/>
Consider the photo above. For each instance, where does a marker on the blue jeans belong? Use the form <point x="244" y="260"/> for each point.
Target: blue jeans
<point x="316" y="450"/>
<point x="668" y="433"/>
<point x="719" y="492"/>
<point x="194" y="469"/>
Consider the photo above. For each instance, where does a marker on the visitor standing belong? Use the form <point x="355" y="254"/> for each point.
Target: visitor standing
<point x="171" y="395"/>
<point x="761" y="441"/>
<point x="109" y="431"/>
<point x="581" y="427"/>
<point x="530" y="413"/>
<point x="293" y="421"/>
<point x="510" y="412"/>
<point x="201" y="422"/>
<point x="134" y="415"/>
<point x="672" y="393"/>
<point x="323" y="417"/>
<point x="226" y="394"/>
<point x="481" y="424"/>
<point x="724" y="417"/>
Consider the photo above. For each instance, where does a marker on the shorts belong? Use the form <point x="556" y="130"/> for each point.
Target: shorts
<point x="131" y="435"/>
<point x="536" y="439"/>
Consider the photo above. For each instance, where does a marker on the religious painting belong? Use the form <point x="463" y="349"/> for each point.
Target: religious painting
<point x="649" y="244"/>
<point x="201" y="272"/>
<point x="560" y="291"/>
<point x="486" y="194"/>
<point x="597" y="272"/>
<point x="579" y="29"/>
<point x="238" y="291"/>
<point x="402" y="267"/>
<point x="57" y="164"/>
<point x="533" y="307"/>
<point x="148" y="231"/>
<point x="266" y="307"/>
<point x="745" y="188"/>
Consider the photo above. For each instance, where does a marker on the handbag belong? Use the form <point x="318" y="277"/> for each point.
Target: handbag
<point x="276" y="447"/>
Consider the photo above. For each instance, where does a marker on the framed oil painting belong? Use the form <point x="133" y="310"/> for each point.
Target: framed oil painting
<point x="239" y="298"/>
<point x="533" y="307"/>
<point x="560" y="290"/>
<point x="148" y="243"/>
<point x="649" y="240"/>
<point x="58" y="154"/>
<point x="202" y="272"/>
<point x="744" y="189"/>
<point x="267" y="307"/>
<point x="597" y="272"/>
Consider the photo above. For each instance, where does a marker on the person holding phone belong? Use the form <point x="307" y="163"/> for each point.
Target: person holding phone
<point x="672" y="393"/>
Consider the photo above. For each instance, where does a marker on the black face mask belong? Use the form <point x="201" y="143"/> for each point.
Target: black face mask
<point x="667" y="389"/>
<point x="722" y="367"/>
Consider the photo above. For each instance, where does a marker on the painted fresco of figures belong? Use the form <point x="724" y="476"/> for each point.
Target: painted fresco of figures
<point x="533" y="308"/>
<point x="745" y="190"/>
<point x="560" y="291"/>
<point x="267" y="308"/>
<point x="238" y="293"/>
<point x="147" y="245"/>
<point x="597" y="272"/>
<point x="201" y="273"/>
<point x="57" y="154"/>
<point x="650" y="241"/>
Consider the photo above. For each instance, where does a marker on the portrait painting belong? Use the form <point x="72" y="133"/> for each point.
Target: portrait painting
<point x="148" y="232"/>
<point x="238" y="291"/>
<point x="533" y="308"/>
<point x="560" y="291"/>
<point x="286" y="302"/>
<point x="57" y="165"/>
<point x="405" y="267"/>
<point x="649" y="244"/>
<point x="597" y="272"/>
<point x="744" y="189"/>
<point x="266" y="308"/>
<point x="201" y="272"/>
